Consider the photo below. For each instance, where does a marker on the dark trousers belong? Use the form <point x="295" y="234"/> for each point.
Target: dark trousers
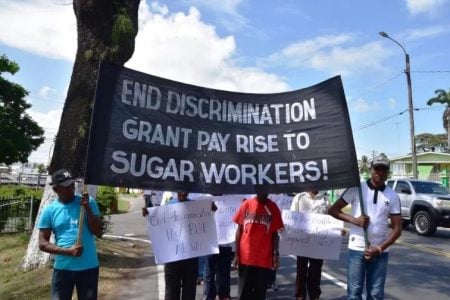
<point x="181" y="278"/>
<point x="85" y="281"/>
<point x="216" y="280"/>
<point x="148" y="200"/>
<point x="272" y="277"/>
<point x="309" y="272"/>
<point x="253" y="282"/>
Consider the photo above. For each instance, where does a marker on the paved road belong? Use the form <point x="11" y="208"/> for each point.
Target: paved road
<point x="143" y="283"/>
<point x="419" y="267"/>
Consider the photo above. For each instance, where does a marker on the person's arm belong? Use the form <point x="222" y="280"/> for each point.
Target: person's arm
<point x="213" y="207"/>
<point x="94" y="223"/>
<point x="46" y="246"/>
<point x="237" y="246"/>
<point x="294" y="204"/>
<point x="144" y="209"/>
<point x="276" y="253"/>
<point x="396" y="224"/>
<point x="336" y="212"/>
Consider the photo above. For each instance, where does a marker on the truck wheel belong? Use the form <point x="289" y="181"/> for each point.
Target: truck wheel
<point x="405" y="224"/>
<point x="424" y="223"/>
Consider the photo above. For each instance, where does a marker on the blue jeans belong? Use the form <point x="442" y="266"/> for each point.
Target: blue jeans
<point x="217" y="274"/>
<point x="86" y="282"/>
<point x="372" y="273"/>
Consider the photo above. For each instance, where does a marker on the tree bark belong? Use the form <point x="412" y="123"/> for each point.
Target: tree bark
<point x="34" y="258"/>
<point x="106" y="31"/>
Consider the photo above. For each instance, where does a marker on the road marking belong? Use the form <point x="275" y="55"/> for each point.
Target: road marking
<point x="161" y="281"/>
<point x="328" y="276"/>
<point x="423" y="248"/>
<point x="334" y="280"/>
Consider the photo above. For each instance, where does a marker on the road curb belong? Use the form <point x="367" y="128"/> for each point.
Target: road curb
<point x="125" y="238"/>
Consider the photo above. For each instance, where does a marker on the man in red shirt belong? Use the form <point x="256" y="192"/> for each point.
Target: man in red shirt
<point x="259" y="220"/>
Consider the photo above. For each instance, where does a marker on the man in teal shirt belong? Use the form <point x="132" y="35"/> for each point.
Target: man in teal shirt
<point x="76" y="265"/>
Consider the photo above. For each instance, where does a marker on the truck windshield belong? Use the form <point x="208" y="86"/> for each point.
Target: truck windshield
<point x="429" y="188"/>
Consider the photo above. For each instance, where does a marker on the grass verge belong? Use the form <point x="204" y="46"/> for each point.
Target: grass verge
<point x="123" y="206"/>
<point x="16" y="284"/>
<point x="116" y="258"/>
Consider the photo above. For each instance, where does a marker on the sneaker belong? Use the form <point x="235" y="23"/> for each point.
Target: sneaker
<point x="274" y="286"/>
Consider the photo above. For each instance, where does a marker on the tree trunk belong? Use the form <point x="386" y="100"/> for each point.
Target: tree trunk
<point x="34" y="258"/>
<point x="106" y="31"/>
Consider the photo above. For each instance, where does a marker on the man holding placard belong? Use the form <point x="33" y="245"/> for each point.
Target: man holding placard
<point x="76" y="261"/>
<point x="259" y="220"/>
<point x="368" y="258"/>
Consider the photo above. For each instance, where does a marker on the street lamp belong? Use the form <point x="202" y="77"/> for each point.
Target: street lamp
<point x="410" y="105"/>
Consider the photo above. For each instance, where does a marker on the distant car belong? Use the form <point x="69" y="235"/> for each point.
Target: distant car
<point x="425" y="204"/>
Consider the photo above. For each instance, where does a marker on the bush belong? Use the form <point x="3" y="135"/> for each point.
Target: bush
<point x="107" y="199"/>
<point x="21" y="191"/>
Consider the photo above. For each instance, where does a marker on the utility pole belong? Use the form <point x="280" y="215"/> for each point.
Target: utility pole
<point x="410" y="105"/>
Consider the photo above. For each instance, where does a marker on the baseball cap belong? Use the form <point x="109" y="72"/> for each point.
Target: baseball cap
<point x="62" y="177"/>
<point x="380" y="160"/>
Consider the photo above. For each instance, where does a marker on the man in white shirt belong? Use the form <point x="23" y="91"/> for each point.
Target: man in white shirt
<point x="381" y="203"/>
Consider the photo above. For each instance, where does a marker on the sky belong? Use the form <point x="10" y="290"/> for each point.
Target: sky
<point x="258" y="46"/>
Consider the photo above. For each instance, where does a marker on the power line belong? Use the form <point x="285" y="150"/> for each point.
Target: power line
<point x="437" y="71"/>
<point x="389" y="117"/>
<point x="379" y="121"/>
<point x="378" y="85"/>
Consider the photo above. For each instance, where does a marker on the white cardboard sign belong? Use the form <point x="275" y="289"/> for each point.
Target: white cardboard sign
<point x="227" y="206"/>
<point x="182" y="230"/>
<point x="311" y="235"/>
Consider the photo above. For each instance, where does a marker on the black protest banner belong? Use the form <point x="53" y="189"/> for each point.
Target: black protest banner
<point x="156" y="133"/>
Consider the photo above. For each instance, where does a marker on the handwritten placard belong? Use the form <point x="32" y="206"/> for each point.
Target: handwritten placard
<point x="282" y="200"/>
<point x="182" y="230"/>
<point x="227" y="206"/>
<point x="311" y="235"/>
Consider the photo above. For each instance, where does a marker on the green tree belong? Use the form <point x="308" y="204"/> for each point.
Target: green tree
<point x="364" y="165"/>
<point x="443" y="97"/>
<point x="41" y="168"/>
<point x="430" y="142"/>
<point x="19" y="134"/>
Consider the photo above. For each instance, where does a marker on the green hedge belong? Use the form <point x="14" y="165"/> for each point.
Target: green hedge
<point x="9" y="193"/>
<point x="20" y="191"/>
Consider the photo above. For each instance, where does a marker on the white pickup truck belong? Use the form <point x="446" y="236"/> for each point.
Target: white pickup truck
<point x="425" y="204"/>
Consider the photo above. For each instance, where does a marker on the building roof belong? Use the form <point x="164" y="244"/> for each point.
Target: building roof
<point x="423" y="158"/>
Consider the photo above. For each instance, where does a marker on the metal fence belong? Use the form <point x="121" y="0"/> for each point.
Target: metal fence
<point x="17" y="214"/>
